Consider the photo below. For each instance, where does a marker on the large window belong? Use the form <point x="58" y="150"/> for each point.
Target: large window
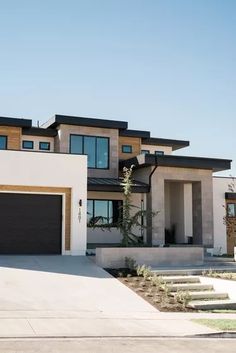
<point x="231" y="209"/>
<point x="3" y="142"/>
<point x="96" y="148"/>
<point x="103" y="212"/>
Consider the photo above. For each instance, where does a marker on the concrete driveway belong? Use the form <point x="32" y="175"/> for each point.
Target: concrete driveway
<point x="62" y="283"/>
<point x="65" y="296"/>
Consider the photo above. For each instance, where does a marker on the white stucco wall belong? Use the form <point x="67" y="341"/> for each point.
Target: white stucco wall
<point x="220" y="187"/>
<point x="52" y="170"/>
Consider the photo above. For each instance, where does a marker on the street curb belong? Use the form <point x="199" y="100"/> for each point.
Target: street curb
<point x="224" y="334"/>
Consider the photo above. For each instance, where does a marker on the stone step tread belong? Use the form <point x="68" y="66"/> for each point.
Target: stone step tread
<point x="213" y="304"/>
<point x="205" y="295"/>
<point x="186" y="272"/>
<point x="181" y="279"/>
<point x="189" y="286"/>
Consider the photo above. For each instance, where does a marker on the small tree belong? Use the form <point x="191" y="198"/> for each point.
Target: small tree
<point x="130" y="221"/>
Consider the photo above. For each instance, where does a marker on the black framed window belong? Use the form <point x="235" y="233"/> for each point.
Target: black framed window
<point x="29" y="145"/>
<point x="44" y="146"/>
<point x="3" y="142"/>
<point x="103" y="212"/>
<point x="96" y="148"/>
<point x="159" y="153"/>
<point x="127" y="149"/>
<point x="145" y="151"/>
<point x="231" y="209"/>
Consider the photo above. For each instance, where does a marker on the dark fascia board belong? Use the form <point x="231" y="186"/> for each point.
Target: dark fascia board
<point x="37" y="131"/>
<point x="214" y="164"/>
<point x="117" y="188"/>
<point x="81" y="121"/>
<point x="175" y="144"/>
<point x="230" y="195"/>
<point x="135" y="133"/>
<point x="17" y="122"/>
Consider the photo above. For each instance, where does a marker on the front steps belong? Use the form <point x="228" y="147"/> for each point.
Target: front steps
<point x="201" y="296"/>
<point x="225" y="304"/>
<point x="188" y="287"/>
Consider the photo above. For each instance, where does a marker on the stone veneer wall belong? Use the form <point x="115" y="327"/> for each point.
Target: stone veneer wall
<point x="202" y="201"/>
<point x="62" y="144"/>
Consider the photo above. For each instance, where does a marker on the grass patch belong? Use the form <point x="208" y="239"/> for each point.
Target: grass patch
<point x="222" y="275"/>
<point x="219" y="324"/>
<point x="222" y="311"/>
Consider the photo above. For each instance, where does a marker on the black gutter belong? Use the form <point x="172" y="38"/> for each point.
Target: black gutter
<point x="214" y="164"/>
<point x="150" y="176"/>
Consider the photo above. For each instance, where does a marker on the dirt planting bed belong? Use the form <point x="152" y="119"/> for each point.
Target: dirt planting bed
<point x="152" y="290"/>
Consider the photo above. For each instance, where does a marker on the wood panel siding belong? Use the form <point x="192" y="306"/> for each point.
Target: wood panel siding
<point x="13" y="136"/>
<point x="49" y="190"/>
<point x="135" y="142"/>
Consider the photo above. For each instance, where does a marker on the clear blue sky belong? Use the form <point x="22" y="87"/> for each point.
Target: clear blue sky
<point x="163" y="65"/>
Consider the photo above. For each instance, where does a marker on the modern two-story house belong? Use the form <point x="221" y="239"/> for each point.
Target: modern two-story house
<point x="51" y="161"/>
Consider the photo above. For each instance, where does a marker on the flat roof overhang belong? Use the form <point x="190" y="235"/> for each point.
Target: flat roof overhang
<point x="141" y="161"/>
<point x="37" y="131"/>
<point x="114" y="185"/>
<point x="135" y="133"/>
<point x="175" y="144"/>
<point x="16" y="122"/>
<point x="56" y="120"/>
<point x="230" y="195"/>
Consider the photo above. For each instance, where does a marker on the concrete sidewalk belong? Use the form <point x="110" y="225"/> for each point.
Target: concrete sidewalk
<point x="101" y="324"/>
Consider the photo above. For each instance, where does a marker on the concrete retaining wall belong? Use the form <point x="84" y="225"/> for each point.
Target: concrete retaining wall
<point x="176" y="256"/>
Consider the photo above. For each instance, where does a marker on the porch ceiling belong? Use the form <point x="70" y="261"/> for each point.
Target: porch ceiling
<point x="214" y="164"/>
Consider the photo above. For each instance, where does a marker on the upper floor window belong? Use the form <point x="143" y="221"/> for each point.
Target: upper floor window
<point x="145" y="151"/>
<point x="44" y="146"/>
<point x="126" y="148"/>
<point x="3" y="142"/>
<point x="159" y="153"/>
<point x="96" y="148"/>
<point x="103" y="212"/>
<point x="29" y="145"/>
<point x="231" y="209"/>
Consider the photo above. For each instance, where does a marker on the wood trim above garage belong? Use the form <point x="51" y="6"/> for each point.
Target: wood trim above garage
<point x="48" y="190"/>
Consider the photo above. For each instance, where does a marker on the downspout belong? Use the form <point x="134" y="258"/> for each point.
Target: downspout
<point x="149" y="232"/>
<point x="151" y="174"/>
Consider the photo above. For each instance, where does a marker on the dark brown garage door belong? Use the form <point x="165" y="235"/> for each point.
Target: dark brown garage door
<point x="30" y="224"/>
